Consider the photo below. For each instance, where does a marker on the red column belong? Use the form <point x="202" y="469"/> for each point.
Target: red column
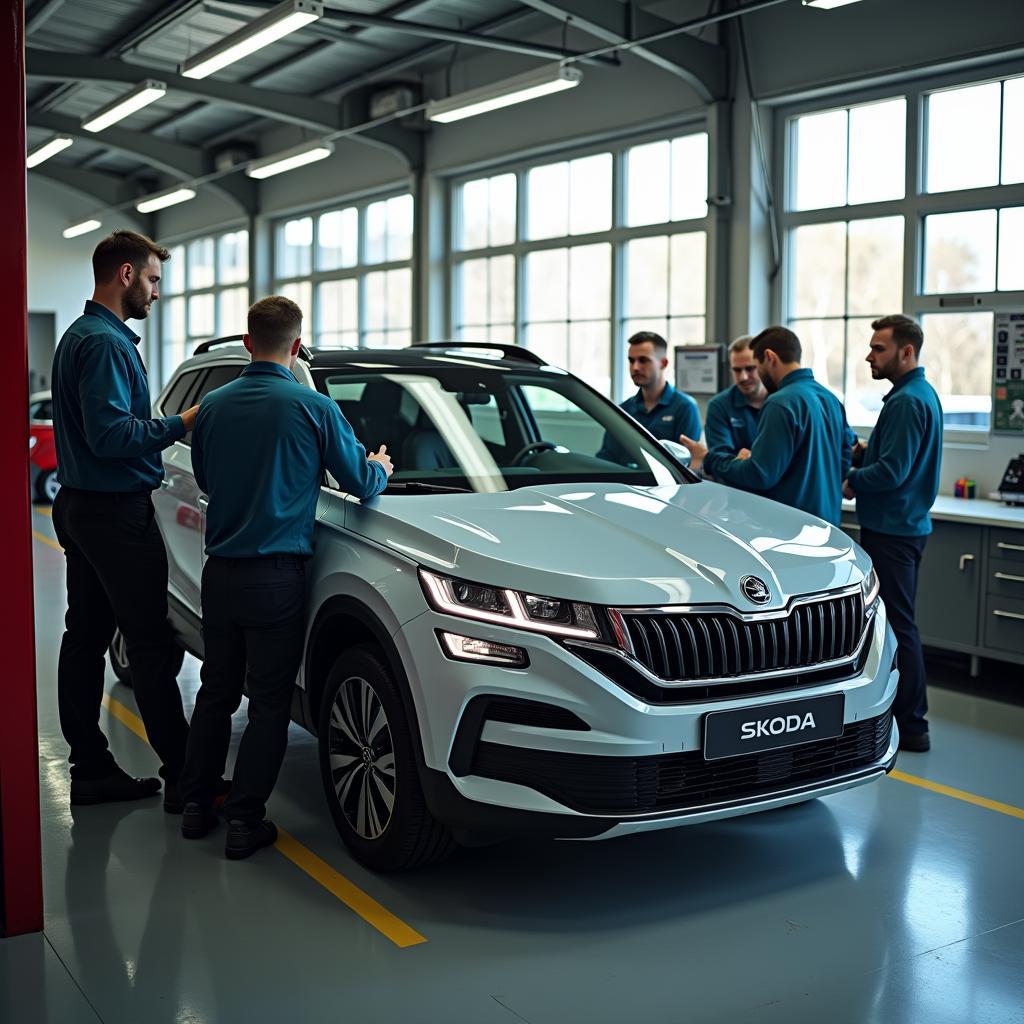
<point x="21" y="897"/>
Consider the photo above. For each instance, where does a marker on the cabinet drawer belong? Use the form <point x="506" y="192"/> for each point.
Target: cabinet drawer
<point x="1005" y="578"/>
<point x="1004" y="623"/>
<point x="1007" y="544"/>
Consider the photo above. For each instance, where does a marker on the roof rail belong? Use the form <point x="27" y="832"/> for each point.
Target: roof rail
<point x="523" y="355"/>
<point x="236" y="339"/>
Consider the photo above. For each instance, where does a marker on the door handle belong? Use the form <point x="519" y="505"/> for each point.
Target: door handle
<point x="1009" y="547"/>
<point x="1008" y="615"/>
<point x="964" y="559"/>
<point x="1009" y="576"/>
<point x="204" y="502"/>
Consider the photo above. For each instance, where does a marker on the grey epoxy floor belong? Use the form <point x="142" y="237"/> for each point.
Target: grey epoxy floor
<point x="889" y="903"/>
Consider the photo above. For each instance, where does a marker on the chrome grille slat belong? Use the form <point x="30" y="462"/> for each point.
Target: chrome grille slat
<point x="691" y="645"/>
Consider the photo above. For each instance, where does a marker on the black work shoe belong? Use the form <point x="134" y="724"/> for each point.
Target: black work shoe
<point x="244" y="839"/>
<point x="918" y="742"/>
<point x="175" y="804"/>
<point x="112" y="788"/>
<point x="197" y="821"/>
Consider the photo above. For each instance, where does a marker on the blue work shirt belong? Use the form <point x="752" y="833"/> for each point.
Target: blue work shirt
<point x="673" y="414"/>
<point x="105" y="435"/>
<point x="801" y="453"/>
<point x="259" y="449"/>
<point x="897" y="484"/>
<point x="730" y="422"/>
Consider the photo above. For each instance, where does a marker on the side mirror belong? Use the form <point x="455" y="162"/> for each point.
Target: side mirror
<point x="677" y="451"/>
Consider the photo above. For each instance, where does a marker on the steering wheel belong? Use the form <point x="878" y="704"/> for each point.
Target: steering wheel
<point x="533" y="446"/>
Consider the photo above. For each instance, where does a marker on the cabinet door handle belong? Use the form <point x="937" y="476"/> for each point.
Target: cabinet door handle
<point x="964" y="559"/>
<point x="1009" y="547"/>
<point x="1008" y="615"/>
<point x="1009" y="576"/>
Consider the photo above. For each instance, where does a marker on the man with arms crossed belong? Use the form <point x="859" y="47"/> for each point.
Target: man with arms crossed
<point x="108" y="458"/>
<point x="259" y="449"/>
<point x="895" y="488"/>
<point x="803" y="445"/>
<point x="730" y="424"/>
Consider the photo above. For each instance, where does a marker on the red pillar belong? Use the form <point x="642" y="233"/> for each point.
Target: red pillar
<point x="21" y="895"/>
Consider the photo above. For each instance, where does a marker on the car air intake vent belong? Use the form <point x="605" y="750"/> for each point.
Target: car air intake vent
<point x="535" y="713"/>
<point x="718" y="645"/>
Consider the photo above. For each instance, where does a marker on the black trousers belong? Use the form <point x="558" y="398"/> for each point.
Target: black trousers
<point x="253" y="632"/>
<point x="116" y="576"/>
<point x="897" y="561"/>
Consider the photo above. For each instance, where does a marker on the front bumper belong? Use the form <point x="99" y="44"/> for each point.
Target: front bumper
<point x="636" y="765"/>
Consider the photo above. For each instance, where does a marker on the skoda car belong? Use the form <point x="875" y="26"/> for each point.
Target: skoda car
<point x="547" y="624"/>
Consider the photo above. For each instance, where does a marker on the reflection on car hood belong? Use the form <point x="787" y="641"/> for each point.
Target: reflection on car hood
<point x="614" y="544"/>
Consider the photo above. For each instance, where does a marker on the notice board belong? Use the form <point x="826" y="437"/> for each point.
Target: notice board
<point x="1008" y="374"/>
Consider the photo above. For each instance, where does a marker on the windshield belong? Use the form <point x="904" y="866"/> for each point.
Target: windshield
<point x="473" y="428"/>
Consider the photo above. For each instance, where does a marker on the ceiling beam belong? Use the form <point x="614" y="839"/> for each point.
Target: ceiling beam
<point x="171" y="158"/>
<point x="52" y="65"/>
<point x="39" y="13"/>
<point x="702" y="65"/>
<point x="107" y="189"/>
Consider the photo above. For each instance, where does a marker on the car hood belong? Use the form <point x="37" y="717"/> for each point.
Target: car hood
<point x="613" y="544"/>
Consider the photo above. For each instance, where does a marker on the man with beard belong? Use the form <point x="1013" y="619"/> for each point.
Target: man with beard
<point x="108" y="459"/>
<point x="803" y="446"/>
<point x="895" y="488"/>
<point x="733" y="414"/>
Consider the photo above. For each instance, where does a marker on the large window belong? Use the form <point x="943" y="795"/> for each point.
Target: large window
<point x="910" y="203"/>
<point x="350" y="269"/>
<point x="204" y="294"/>
<point x="569" y="257"/>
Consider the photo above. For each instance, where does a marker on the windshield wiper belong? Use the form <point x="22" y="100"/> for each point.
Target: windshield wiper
<point x="414" y="486"/>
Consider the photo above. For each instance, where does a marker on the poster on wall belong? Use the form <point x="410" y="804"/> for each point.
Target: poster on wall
<point x="1008" y="374"/>
<point x="697" y="369"/>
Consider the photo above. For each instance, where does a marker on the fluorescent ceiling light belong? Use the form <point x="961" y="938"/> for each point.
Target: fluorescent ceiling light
<point x="46" y="150"/>
<point x="181" y="195"/>
<point x="828" y="5"/>
<point x="289" y="159"/>
<point x="81" y="229"/>
<point x="280" y="21"/>
<point x="142" y="95"/>
<point x="553" y="78"/>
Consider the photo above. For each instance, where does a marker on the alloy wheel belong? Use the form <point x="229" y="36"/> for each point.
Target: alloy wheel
<point x="362" y="758"/>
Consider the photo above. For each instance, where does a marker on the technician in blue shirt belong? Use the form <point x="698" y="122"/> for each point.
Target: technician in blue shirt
<point x="108" y="465"/>
<point x="259" y="449"/>
<point x="895" y="487"/>
<point x="657" y="405"/>
<point x="730" y="424"/>
<point x="803" y="446"/>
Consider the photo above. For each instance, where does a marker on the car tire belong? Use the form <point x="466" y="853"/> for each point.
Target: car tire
<point x="118" y="656"/>
<point x="47" y="486"/>
<point x="369" y="770"/>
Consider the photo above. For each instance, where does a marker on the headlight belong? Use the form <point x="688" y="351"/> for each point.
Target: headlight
<point x="869" y="588"/>
<point x="510" y="608"/>
<point x="32" y="441"/>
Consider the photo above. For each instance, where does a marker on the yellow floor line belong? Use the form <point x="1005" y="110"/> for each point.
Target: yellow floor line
<point x="42" y="538"/>
<point x="372" y="912"/>
<point x="959" y="794"/>
<point x="43" y="510"/>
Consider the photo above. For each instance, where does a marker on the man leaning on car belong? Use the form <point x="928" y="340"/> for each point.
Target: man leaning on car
<point x="259" y="450"/>
<point x="108" y="457"/>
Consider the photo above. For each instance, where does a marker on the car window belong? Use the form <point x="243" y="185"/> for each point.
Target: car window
<point x="174" y="402"/>
<point x="217" y="378"/>
<point x="488" y="430"/>
<point x="41" y="410"/>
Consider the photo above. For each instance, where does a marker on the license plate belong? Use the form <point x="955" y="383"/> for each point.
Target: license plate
<point x="772" y="726"/>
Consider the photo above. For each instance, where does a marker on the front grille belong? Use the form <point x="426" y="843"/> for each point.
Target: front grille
<point x="684" y="781"/>
<point x="717" y="645"/>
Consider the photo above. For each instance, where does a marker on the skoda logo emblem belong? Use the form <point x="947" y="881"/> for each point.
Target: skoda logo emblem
<point x="755" y="590"/>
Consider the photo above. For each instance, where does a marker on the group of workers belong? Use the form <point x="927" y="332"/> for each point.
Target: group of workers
<point x="778" y="432"/>
<point x="260" y="446"/>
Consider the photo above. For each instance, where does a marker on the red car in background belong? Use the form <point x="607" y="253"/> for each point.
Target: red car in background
<point x="42" y="452"/>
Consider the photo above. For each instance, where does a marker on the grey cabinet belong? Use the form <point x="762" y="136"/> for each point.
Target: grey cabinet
<point x="949" y="588"/>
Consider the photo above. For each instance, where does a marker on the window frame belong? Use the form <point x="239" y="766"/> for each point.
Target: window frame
<point x="618" y="235"/>
<point x="358" y="272"/>
<point x="915" y="206"/>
